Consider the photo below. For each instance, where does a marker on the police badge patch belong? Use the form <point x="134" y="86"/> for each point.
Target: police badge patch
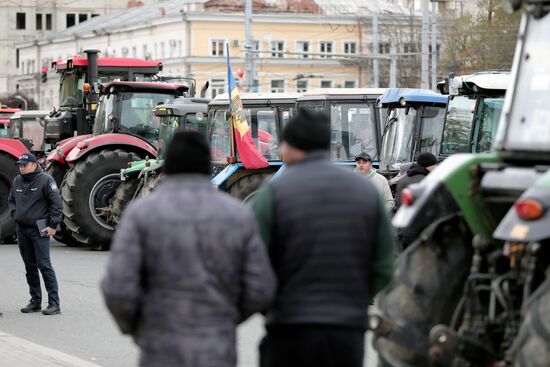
<point x="53" y="186"/>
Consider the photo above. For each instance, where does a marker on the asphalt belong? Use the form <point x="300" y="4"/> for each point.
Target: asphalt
<point x="84" y="335"/>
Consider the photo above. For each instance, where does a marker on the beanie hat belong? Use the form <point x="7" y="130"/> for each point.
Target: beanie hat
<point x="308" y="131"/>
<point x="188" y="152"/>
<point x="426" y="159"/>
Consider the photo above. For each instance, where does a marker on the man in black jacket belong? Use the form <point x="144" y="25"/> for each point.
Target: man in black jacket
<point x="331" y="245"/>
<point x="35" y="206"/>
<point x="425" y="163"/>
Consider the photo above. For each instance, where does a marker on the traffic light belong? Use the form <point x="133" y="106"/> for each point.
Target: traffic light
<point x="44" y="74"/>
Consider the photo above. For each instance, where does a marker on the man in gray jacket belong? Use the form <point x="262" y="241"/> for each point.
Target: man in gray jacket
<point x="187" y="266"/>
<point x="363" y="165"/>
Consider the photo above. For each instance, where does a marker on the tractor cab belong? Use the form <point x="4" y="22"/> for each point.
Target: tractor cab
<point x="127" y="108"/>
<point x="356" y="123"/>
<point x="79" y="77"/>
<point x="267" y="114"/>
<point x="5" y="115"/>
<point x="28" y="127"/>
<point x="473" y="114"/>
<point x="414" y="124"/>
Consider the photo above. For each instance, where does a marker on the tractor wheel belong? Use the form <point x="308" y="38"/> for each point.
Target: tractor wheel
<point x="246" y="187"/>
<point x="426" y="289"/>
<point x="90" y="186"/>
<point x="123" y="196"/>
<point x="149" y="185"/>
<point x="531" y="347"/>
<point x="8" y="171"/>
<point x="57" y="171"/>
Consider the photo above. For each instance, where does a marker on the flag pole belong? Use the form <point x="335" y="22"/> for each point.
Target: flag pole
<point x="233" y="156"/>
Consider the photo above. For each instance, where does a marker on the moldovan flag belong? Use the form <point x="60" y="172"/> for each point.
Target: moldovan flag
<point x="248" y="152"/>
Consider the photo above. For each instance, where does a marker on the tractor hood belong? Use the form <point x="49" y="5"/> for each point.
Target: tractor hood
<point x="60" y="152"/>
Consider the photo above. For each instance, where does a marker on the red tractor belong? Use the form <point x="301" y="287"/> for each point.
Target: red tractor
<point x="124" y="130"/>
<point x="80" y="76"/>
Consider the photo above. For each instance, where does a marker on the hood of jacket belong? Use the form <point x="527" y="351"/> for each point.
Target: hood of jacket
<point x="415" y="169"/>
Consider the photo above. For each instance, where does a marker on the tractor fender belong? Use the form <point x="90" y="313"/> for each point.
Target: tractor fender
<point x="62" y="149"/>
<point x="12" y="147"/>
<point x="94" y="143"/>
<point x="235" y="171"/>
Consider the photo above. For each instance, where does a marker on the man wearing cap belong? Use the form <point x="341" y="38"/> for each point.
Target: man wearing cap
<point x="180" y="281"/>
<point x="363" y="165"/>
<point x="425" y="163"/>
<point x="36" y="207"/>
<point x="331" y="245"/>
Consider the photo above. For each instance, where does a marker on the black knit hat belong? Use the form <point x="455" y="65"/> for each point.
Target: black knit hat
<point x="308" y="131"/>
<point x="188" y="152"/>
<point x="426" y="159"/>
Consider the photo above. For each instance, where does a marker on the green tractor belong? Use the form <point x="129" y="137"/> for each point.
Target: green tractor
<point x="473" y="289"/>
<point x="142" y="176"/>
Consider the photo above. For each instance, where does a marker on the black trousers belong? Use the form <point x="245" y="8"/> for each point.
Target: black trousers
<point x="312" y="346"/>
<point x="35" y="251"/>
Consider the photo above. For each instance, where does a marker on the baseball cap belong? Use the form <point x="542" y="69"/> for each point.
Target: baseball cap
<point x="364" y="156"/>
<point x="26" y="158"/>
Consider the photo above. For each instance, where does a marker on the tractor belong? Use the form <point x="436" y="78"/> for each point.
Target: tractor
<point x="140" y="177"/>
<point x="124" y="130"/>
<point x="474" y="288"/>
<point x="29" y="128"/>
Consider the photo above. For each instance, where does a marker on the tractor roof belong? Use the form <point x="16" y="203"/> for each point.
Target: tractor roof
<point x="145" y="87"/>
<point x="122" y="62"/>
<point x="30" y="114"/>
<point x="258" y="98"/>
<point x="487" y="82"/>
<point x="182" y="106"/>
<point x="9" y="110"/>
<point x="342" y="94"/>
<point x="396" y="96"/>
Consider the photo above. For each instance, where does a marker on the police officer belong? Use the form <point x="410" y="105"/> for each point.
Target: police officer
<point x="35" y="206"/>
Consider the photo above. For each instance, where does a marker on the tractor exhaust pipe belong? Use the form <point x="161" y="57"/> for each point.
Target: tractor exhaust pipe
<point x="92" y="65"/>
<point x="204" y="88"/>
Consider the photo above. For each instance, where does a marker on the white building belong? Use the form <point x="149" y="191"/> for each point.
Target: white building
<point x="30" y="20"/>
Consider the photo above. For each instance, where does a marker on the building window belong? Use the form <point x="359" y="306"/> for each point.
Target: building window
<point x="384" y="48"/>
<point x="70" y="20"/>
<point x="48" y="22"/>
<point x="277" y="86"/>
<point x="217" y="47"/>
<point x="38" y="21"/>
<point x="302" y="86"/>
<point x="217" y="86"/>
<point x="303" y="48"/>
<point x="20" y="21"/>
<point x="350" y="48"/>
<point x="134" y="51"/>
<point x="256" y="47"/>
<point x="17" y="58"/>
<point x="277" y="48"/>
<point x="326" y="83"/>
<point x="146" y="53"/>
<point x="94" y="15"/>
<point x="326" y="48"/>
<point x="82" y="18"/>
<point x="349" y="84"/>
<point x="162" y="54"/>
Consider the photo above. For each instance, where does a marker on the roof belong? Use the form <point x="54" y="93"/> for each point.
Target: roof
<point x="342" y="94"/>
<point x="146" y="86"/>
<point x="494" y="81"/>
<point x="107" y="62"/>
<point x="30" y="113"/>
<point x="182" y="106"/>
<point x="259" y="98"/>
<point x="395" y="95"/>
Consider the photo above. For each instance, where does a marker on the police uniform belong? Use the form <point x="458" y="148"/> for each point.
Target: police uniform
<point x="34" y="197"/>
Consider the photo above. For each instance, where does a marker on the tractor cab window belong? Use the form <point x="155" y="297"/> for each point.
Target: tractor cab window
<point x="219" y="135"/>
<point x="529" y="119"/>
<point x="486" y="123"/>
<point x="196" y="121"/>
<point x="137" y="117"/>
<point x="168" y="126"/>
<point x="352" y="131"/>
<point x="15" y="129"/>
<point x="71" y="91"/>
<point x="458" y="125"/>
<point x="397" y="138"/>
<point x="4" y="131"/>
<point x="33" y="131"/>
<point x="106" y="116"/>
<point x="433" y="119"/>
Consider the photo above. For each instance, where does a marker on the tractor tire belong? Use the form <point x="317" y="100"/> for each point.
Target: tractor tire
<point x="57" y="171"/>
<point x="123" y="196"/>
<point x="8" y="171"/>
<point x="426" y="289"/>
<point x="149" y="185"/>
<point x="65" y="236"/>
<point x="246" y="187"/>
<point x="90" y="185"/>
<point x="531" y="347"/>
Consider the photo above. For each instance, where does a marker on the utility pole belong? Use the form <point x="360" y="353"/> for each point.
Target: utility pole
<point x="434" y="45"/>
<point x="375" y="61"/>
<point x="425" y="81"/>
<point x="248" y="46"/>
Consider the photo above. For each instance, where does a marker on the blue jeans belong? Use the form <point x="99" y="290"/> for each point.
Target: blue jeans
<point x="35" y="251"/>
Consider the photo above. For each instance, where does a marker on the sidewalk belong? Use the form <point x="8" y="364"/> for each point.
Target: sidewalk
<point x="22" y="353"/>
